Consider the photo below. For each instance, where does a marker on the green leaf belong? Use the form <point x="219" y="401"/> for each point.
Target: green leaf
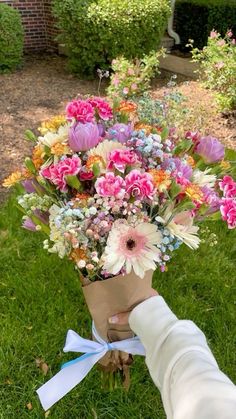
<point x="174" y="190"/>
<point x="29" y="136"/>
<point x="230" y="155"/>
<point x="164" y="133"/>
<point x="74" y="182"/>
<point x="96" y="169"/>
<point x="30" y="165"/>
<point x="183" y="146"/>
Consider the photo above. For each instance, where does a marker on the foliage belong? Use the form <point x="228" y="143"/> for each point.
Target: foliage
<point x="218" y="67"/>
<point x="133" y="77"/>
<point x="11" y="38"/>
<point x="95" y="32"/>
<point x="204" y="14"/>
<point x="41" y="299"/>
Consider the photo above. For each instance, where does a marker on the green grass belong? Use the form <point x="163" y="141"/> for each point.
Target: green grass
<point x="41" y="299"/>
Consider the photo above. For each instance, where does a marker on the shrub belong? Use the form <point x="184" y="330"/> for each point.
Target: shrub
<point x="11" y="38"/>
<point x="95" y="32"/>
<point x="132" y="77"/>
<point x="196" y="18"/>
<point x="218" y="67"/>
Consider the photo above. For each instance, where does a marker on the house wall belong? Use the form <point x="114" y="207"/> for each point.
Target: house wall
<point x="38" y="23"/>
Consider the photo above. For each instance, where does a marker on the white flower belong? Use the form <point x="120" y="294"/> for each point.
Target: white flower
<point x="203" y="179"/>
<point x="51" y="138"/>
<point x="104" y="148"/>
<point x="132" y="247"/>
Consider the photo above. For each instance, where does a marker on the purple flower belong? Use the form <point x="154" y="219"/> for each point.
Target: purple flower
<point x="31" y="185"/>
<point x="177" y="167"/>
<point x="120" y="132"/>
<point x="83" y="137"/>
<point x="212" y="199"/>
<point x="210" y="149"/>
<point x="28" y="224"/>
<point x="42" y="216"/>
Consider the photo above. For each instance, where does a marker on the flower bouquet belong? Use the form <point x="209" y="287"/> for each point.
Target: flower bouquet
<point x="117" y="197"/>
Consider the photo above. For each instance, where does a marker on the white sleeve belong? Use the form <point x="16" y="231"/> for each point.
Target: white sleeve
<point x="182" y="365"/>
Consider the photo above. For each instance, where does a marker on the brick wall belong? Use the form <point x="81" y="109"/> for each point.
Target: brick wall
<point x="38" y="23"/>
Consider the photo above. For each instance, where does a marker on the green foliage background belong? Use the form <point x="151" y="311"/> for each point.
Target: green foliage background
<point x="11" y="38"/>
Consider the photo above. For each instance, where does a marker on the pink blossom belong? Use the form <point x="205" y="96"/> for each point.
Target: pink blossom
<point x="228" y="212"/>
<point x="102" y="107"/>
<point x="134" y="86"/>
<point x="85" y="174"/>
<point x="229" y="34"/>
<point x="57" y="173"/>
<point x="228" y="186"/>
<point x="213" y="34"/>
<point x="110" y="185"/>
<point x="81" y="110"/>
<point x="139" y="185"/>
<point x="119" y="159"/>
<point x="221" y="43"/>
<point x="233" y="42"/>
<point x="116" y="81"/>
<point x="130" y="72"/>
<point x="126" y="90"/>
<point x="219" y="65"/>
<point x="193" y="135"/>
<point x="83" y="137"/>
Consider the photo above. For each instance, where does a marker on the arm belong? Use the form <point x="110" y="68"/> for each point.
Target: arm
<point x="182" y="365"/>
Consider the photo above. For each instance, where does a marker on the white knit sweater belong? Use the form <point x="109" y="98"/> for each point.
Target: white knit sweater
<point x="182" y="365"/>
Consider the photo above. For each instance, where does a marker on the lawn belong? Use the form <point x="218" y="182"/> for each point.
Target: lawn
<point x="41" y="299"/>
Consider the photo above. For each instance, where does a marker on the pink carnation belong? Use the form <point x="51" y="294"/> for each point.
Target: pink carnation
<point x="139" y="185"/>
<point x="81" y="110"/>
<point x="119" y="159"/>
<point x="102" y="107"/>
<point x="228" y="186"/>
<point x="110" y="185"/>
<point x="57" y="173"/>
<point x="228" y="212"/>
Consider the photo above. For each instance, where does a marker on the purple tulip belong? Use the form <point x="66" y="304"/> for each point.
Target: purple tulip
<point x="28" y="224"/>
<point x="210" y="149"/>
<point x="42" y="216"/>
<point x="101" y="129"/>
<point x="120" y="132"/>
<point x="31" y="185"/>
<point x="83" y="137"/>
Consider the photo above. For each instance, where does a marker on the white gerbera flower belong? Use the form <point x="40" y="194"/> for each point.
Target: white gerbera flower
<point x="132" y="247"/>
<point x="51" y="138"/>
<point x="203" y="178"/>
<point x="104" y="148"/>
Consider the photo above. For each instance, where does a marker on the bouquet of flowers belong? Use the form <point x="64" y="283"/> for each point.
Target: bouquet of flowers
<point x="117" y="197"/>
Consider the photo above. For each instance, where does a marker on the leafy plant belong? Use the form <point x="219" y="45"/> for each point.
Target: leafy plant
<point x="11" y="38"/>
<point x="132" y="77"/>
<point x="96" y="32"/>
<point x="218" y="67"/>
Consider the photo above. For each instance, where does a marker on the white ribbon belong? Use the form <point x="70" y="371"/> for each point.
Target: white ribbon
<point x="73" y="372"/>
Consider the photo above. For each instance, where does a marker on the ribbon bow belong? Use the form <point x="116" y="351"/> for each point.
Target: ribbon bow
<point x="73" y="372"/>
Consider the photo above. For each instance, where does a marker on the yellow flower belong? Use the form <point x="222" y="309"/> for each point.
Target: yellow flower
<point x="127" y="107"/>
<point x="59" y="149"/>
<point x="225" y="165"/>
<point x="37" y="156"/>
<point x="52" y="124"/>
<point x="77" y="255"/>
<point x="191" y="161"/>
<point x="140" y="126"/>
<point x="11" y="180"/>
<point x="161" y="179"/>
<point x="95" y="160"/>
<point x="194" y="193"/>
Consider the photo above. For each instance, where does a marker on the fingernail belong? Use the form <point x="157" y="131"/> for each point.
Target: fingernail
<point x="113" y="319"/>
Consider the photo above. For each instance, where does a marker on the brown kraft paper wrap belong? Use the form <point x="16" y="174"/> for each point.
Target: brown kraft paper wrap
<point x="111" y="296"/>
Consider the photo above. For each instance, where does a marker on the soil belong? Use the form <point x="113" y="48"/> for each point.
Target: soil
<point x="43" y="87"/>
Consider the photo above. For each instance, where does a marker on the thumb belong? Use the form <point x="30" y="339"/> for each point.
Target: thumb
<point x="121" y="318"/>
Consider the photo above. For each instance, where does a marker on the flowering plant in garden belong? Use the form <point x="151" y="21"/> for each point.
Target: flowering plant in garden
<point x="115" y="197"/>
<point x="133" y="77"/>
<point x="218" y="67"/>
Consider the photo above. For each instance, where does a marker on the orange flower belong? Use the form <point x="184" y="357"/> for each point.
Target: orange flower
<point x="11" y="180"/>
<point x="59" y="149"/>
<point x="77" y="255"/>
<point x="37" y="156"/>
<point x="80" y="200"/>
<point x="95" y="159"/>
<point x="127" y="107"/>
<point x="194" y="192"/>
<point x="52" y="124"/>
<point x="161" y="179"/>
<point x="191" y="161"/>
<point x="140" y="126"/>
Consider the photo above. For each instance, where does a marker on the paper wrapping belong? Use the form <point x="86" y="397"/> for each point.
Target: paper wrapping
<point x="111" y="296"/>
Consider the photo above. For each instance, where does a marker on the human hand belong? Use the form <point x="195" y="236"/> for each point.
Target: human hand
<point x="123" y="318"/>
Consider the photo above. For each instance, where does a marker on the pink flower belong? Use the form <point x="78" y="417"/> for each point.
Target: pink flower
<point x="83" y="137"/>
<point x="110" y="185"/>
<point x="85" y="174"/>
<point x="139" y="185"/>
<point x="219" y="65"/>
<point x="126" y="90"/>
<point x="57" y="173"/>
<point x="228" y="212"/>
<point x="229" y="34"/>
<point x="228" y="186"/>
<point x="213" y="34"/>
<point x="210" y="149"/>
<point x="119" y="159"/>
<point x="81" y="110"/>
<point x="193" y="135"/>
<point x="221" y="43"/>
<point x="130" y="72"/>
<point x="233" y="42"/>
<point x="134" y="86"/>
<point x="102" y="107"/>
<point x="116" y="81"/>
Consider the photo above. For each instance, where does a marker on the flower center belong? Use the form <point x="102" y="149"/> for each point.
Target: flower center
<point x="130" y="244"/>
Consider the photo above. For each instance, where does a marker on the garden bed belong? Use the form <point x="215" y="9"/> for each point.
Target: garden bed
<point x="42" y="88"/>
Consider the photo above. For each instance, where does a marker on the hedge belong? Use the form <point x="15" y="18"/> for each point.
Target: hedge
<point x="95" y="32"/>
<point x="196" y="18"/>
<point x="11" y="38"/>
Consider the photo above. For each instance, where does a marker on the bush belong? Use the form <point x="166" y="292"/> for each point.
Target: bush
<point x="95" y="32"/>
<point x="196" y="18"/>
<point x="218" y="67"/>
<point x="11" y="38"/>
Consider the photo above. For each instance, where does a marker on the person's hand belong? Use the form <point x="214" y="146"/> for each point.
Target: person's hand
<point x="123" y="318"/>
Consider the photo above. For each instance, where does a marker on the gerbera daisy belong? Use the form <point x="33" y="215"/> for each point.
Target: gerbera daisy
<point x="132" y="248"/>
